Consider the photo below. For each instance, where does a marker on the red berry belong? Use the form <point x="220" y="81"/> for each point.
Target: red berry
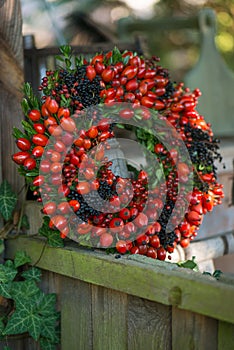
<point x="30" y="163"/>
<point x="23" y="144"/>
<point x="129" y="72"/>
<point x="40" y="139"/>
<point x="125" y="214"/>
<point x="20" y="157"/>
<point x="34" y="115"/>
<point x="161" y="253"/>
<point x="106" y="240"/>
<point x="155" y="241"/>
<point x="52" y="106"/>
<point x="39" y="180"/>
<point x="90" y="72"/>
<point x="121" y="247"/>
<point x="134" y="250"/>
<point x="116" y="225"/>
<point x="151" y="253"/>
<point x="49" y="208"/>
<point x="58" y="221"/>
<point x="39" y="128"/>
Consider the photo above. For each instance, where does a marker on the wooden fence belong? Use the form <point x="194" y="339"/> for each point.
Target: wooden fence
<point x="132" y="303"/>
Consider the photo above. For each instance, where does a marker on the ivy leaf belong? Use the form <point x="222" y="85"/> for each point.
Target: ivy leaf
<point x="24" y="319"/>
<point x="8" y="200"/>
<point x="49" y="328"/>
<point x="47" y="304"/>
<point x="25" y="222"/>
<point x="24" y="290"/>
<point x="53" y="236"/>
<point x="5" y="291"/>
<point x="45" y="344"/>
<point x="21" y="258"/>
<point x="32" y="274"/>
<point x="7" y="274"/>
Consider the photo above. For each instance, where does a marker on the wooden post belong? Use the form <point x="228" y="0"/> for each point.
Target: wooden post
<point x="11" y="81"/>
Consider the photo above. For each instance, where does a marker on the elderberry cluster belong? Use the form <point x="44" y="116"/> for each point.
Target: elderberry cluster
<point x="79" y="88"/>
<point x="86" y="209"/>
<point x="202" y="148"/>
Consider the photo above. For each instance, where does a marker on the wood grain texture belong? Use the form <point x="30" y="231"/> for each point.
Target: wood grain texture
<point x="109" y="319"/>
<point x="76" y="314"/>
<point x="35" y="218"/>
<point x="13" y="344"/>
<point x="149" y="325"/>
<point x="11" y="80"/>
<point x="192" y="331"/>
<point x="157" y="281"/>
<point x="225" y="336"/>
<point x="11" y="46"/>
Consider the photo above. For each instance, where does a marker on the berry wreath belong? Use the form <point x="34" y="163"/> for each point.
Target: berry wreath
<point x="65" y="139"/>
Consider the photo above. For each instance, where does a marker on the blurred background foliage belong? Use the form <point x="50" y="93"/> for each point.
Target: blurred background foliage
<point x="56" y="22"/>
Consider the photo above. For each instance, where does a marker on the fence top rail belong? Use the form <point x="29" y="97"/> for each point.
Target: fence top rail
<point x="84" y="49"/>
<point x="150" y="279"/>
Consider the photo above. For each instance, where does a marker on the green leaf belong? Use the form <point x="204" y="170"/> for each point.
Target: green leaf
<point x="32" y="173"/>
<point x="65" y="50"/>
<point x="21" y="258"/>
<point x="22" y="291"/>
<point x="25" y="106"/>
<point x="59" y="58"/>
<point x="5" y="290"/>
<point x="7" y="274"/>
<point x="8" y="200"/>
<point x="28" y="128"/>
<point x="47" y="304"/>
<point x="17" y="133"/>
<point x="126" y="60"/>
<point x="24" y="319"/>
<point x="32" y="274"/>
<point x="49" y="328"/>
<point x="45" y="344"/>
<point x="53" y="236"/>
<point x="217" y="274"/>
<point x="25" y="222"/>
<point x="7" y="348"/>
<point x="189" y="264"/>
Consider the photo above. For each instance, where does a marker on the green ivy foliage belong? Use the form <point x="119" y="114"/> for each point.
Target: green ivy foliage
<point x="29" y="310"/>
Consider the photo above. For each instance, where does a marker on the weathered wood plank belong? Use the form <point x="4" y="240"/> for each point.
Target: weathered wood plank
<point x="35" y="218"/>
<point x="109" y="319"/>
<point x="157" y="281"/>
<point x="192" y="331"/>
<point x="149" y="325"/>
<point x="225" y="336"/>
<point x="14" y="344"/>
<point x="75" y="301"/>
<point x="11" y="58"/>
